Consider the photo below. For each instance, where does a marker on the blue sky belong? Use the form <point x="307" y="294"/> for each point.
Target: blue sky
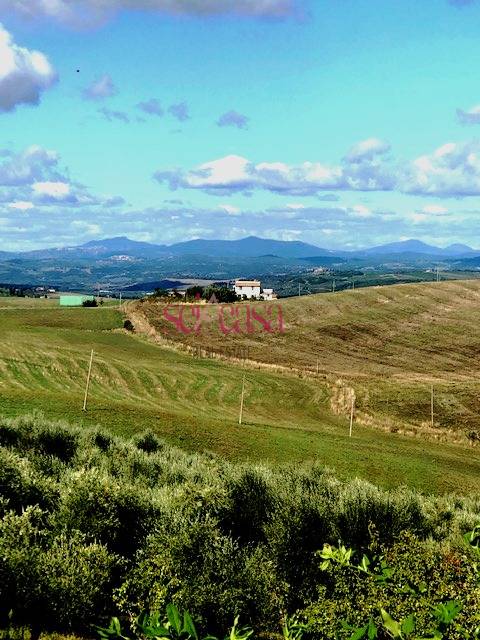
<point x="345" y="124"/>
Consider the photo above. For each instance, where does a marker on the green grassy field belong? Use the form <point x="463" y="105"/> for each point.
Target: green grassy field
<point x="388" y="343"/>
<point x="194" y="402"/>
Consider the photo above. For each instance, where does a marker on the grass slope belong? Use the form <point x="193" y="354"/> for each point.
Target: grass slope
<point x="194" y="402"/>
<point x="389" y="343"/>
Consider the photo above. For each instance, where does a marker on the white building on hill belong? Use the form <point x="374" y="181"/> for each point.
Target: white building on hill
<point x="248" y="288"/>
<point x="253" y="289"/>
<point x="268" y="294"/>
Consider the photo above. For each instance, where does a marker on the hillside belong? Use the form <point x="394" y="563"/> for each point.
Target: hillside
<point x="389" y="343"/>
<point x="194" y="402"/>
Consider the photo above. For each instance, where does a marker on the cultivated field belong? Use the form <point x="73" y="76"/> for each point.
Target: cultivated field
<point x="193" y="402"/>
<point x="389" y="344"/>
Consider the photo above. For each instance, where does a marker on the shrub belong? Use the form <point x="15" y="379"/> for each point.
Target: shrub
<point x="51" y="582"/>
<point x="102" y="440"/>
<point x="19" y="548"/>
<point x="251" y="503"/>
<point x="148" y="442"/>
<point x="56" y="441"/>
<point x="21" y="486"/>
<point x="407" y="579"/>
<point x="88" y="519"/>
<point x="193" y="565"/>
<point x="100" y="506"/>
<point x="34" y="433"/>
<point x="361" y="504"/>
<point x="76" y="582"/>
<point x="128" y="325"/>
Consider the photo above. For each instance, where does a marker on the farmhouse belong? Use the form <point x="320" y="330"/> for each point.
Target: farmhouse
<point x="248" y="288"/>
<point x="253" y="289"/>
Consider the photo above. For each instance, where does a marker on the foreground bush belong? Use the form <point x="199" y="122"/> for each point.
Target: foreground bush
<point x="92" y="526"/>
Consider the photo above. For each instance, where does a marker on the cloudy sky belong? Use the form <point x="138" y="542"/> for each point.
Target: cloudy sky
<point x="344" y="124"/>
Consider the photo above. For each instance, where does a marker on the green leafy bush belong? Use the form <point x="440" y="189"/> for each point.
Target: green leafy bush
<point x="49" y="581"/>
<point x="194" y="565"/>
<point x="93" y="525"/>
<point x="148" y="442"/>
<point x="406" y="587"/>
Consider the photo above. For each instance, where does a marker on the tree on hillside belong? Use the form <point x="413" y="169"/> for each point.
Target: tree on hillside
<point x="221" y="294"/>
<point x="194" y="293"/>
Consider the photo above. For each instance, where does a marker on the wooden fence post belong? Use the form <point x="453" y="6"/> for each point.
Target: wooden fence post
<point x="88" y="382"/>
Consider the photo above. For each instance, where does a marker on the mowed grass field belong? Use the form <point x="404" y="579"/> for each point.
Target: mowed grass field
<point x="194" y="402"/>
<point x="390" y="344"/>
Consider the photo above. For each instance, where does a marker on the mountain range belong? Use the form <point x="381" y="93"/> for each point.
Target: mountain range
<point x="251" y="246"/>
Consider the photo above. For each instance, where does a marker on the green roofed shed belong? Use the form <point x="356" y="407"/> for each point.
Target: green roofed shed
<point x="74" y="301"/>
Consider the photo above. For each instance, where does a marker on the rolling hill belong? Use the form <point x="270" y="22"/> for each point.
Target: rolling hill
<point x="388" y="344"/>
<point x="193" y="401"/>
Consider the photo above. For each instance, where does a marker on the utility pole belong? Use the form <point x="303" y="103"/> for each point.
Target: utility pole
<point x="120" y="298"/>
<point x="333" y="286"/>
<point x="431" y="407"/>
<point x="88" y="382"/>
<point x="438" y="275"/>
<point x="352" y="409"/>
<point x="353" y="284"/>
<point x="299" y="285"/>
<point x="241" y="400"/>
<point x="317" y="366"/>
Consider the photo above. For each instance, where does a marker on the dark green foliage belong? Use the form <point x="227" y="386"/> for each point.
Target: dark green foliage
<point x="161" y="293"/>
<point x="412" y="578"/>
<point x="251" y="506"/>
<point x="175" y="625"/>
<point x="89" y="303"/>
<point x="56" y="441"/>
<point x="92" y="525"/>
<point x="21" y="485"/>
<point x="195" y="292"/>
<point x="220" y="294"/>
<point x="194" y="565"/>
<point x="102" y="440"/>
<point x="35" y="434"/>
<point x="128" y="325"/>
<point x="148" y="442"/>
<point x="94" y="503"/>
<point x="51" y="581"/>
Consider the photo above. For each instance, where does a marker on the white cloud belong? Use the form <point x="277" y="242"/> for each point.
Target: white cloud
<point x="100" y="88"/>
<point x="471" y="116"/>
<point x="435" y="209"/>
<point x="367" y="149"/>
<point x="24" y="74"/>
<point x="360" y="211"/>
<point x="417" y="217"/>
<point x="33" y="164"/>
<point x="295" y="206"/>
<point x="230" y="209"/>
<point x="85" y="12"/>
<point x="21" y="205"/>
<point x="452" y="170"/>
<point x="234" y="173"/>
<point x="56" y="190"/>
<point x="87" y="228"/>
